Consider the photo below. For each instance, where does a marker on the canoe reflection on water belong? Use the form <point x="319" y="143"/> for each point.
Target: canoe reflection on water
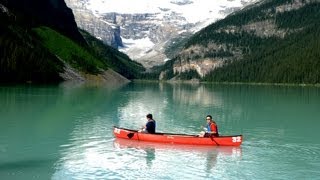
<point x="210" y="153"/>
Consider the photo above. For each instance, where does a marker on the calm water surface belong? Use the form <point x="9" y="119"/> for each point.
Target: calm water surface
<point x="65" y="132"/>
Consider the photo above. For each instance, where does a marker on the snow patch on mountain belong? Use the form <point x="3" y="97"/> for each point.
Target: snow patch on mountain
<point x="194" y="11"/>
<point x="137" y="47"/>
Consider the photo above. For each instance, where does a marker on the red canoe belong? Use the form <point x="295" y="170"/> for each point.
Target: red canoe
<point x="235" y="140"/>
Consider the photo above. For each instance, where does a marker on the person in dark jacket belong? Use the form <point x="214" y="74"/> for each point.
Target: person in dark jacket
<point x="150" y="126"/>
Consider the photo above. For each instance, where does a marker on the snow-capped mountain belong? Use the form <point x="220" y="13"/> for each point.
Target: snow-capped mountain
<point x="144" y="28"/>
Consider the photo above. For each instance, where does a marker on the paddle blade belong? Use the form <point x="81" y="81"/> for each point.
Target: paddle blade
<point x="130" y="135"/>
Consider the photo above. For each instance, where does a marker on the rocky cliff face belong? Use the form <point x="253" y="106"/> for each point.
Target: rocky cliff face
<point x="87" y="20"/>
<point x="145" y="33"/>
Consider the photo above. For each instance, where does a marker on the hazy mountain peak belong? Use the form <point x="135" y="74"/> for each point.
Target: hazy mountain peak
<point x="146" y="28"/>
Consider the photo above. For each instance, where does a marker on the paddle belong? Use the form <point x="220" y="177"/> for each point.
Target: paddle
<point x="130" y="135"/>
<point x="212" y="139"/>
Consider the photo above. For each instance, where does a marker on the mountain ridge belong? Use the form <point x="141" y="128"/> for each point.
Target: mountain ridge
<point x="227" y="49"/>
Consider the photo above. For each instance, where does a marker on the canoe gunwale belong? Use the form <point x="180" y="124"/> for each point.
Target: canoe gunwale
<point x="171" y="134"/>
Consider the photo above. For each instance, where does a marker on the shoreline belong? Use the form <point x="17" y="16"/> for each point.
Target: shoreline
<point x="226" y="83"/>
<point x="193" y="82"/>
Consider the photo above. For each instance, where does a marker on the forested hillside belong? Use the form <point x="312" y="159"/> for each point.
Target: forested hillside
<point x="115" y="59"/>
<point x="22" y="57"/>
<point x="36" y="45"/>
<point x="295" y="59"/>
<point x="272" y="41"/>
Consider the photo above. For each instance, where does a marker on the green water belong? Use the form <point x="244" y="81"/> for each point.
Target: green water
<point x="65" y="132"/>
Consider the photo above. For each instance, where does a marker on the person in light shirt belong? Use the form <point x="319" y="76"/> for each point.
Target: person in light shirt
<point x="211" y="128"/>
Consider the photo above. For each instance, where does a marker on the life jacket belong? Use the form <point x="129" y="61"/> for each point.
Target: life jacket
<point x="212" y="127"/>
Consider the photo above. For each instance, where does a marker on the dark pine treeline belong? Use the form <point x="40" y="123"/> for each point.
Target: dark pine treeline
<point x="296" y="59"/>
<point x="293" y="59"/>
<point x="301" y="18"/>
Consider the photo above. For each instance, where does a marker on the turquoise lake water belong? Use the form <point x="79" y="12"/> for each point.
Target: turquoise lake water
<point x="65" y="132"/>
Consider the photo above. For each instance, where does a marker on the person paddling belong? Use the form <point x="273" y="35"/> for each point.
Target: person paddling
<point x="150" y="126"/>
<point x="211" y="128"/>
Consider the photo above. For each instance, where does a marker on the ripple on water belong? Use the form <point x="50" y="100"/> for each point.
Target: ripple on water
<point x="161" y="159"/>
<point x="300" y="158"/>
